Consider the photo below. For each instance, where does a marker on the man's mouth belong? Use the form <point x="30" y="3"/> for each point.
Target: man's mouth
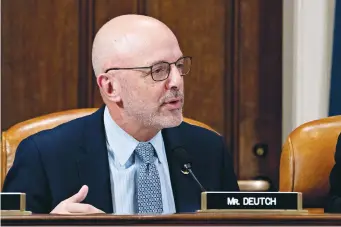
<point x="172" y="104"/>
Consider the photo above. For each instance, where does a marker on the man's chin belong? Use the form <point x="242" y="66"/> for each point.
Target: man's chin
<point x="172" y="120"/>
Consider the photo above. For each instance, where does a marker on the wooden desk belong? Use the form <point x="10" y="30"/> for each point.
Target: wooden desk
<point x="177" y="219"/>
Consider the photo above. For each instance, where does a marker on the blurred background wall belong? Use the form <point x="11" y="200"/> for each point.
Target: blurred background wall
<point x="251" y="60"/>
<point x="308" y="30"/>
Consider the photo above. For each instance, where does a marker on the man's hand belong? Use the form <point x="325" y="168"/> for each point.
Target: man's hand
<point x="72" y="205"/>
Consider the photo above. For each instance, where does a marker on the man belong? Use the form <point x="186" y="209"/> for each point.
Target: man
<point x="334" y="201"/>
<point x="121" y="158"/>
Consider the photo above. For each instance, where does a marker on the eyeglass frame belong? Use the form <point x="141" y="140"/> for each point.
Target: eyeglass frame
<point x="151" y="67"/>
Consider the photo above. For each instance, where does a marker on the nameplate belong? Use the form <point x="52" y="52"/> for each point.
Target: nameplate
<point x="13" y="201"/>
<point x="251" y="201"/>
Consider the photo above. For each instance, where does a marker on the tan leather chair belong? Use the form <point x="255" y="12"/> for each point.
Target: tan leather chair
<point x="307" y="159"/>
<point x="14" y="135"/>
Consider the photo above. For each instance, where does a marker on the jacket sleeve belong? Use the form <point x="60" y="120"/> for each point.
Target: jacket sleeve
<point x="333" y="204"/>
<point x="27" y="175"/>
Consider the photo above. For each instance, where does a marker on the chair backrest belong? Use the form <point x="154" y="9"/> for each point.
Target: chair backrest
<point x="307" y="159"/>
<point x="14" y="135"/>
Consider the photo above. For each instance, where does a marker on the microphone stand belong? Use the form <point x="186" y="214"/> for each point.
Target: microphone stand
<point x="188" y="168"/>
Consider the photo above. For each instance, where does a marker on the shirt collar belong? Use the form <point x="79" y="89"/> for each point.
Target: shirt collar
<point x="123" y="144"/>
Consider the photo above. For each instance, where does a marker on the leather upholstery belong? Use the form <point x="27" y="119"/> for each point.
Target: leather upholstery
<point x="14" y="135"/>
<point x="307" y="159"/>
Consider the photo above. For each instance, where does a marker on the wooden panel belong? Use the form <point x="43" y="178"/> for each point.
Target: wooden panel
<point x="39" y="58"/>
<point x="201" y="35"/>
<point x="259" y="87"/>
<point x="104" y="10"/>
<point x="85" y="74"/>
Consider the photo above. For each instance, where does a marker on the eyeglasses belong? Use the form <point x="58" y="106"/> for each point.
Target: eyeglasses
<point x="161" y="70"/>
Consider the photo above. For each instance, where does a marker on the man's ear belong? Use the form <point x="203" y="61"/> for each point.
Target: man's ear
<point x="110" y="87"/>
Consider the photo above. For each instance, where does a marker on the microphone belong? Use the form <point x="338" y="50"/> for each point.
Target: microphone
<point x="184" y="160"/>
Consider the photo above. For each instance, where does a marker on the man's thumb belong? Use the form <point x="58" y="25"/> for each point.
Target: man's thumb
<point x="80" y="195"/>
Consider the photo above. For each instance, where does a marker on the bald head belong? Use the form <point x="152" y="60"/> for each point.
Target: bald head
<point x="131" y="40"/>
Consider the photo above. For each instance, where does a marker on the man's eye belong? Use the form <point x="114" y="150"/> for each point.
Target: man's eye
<point x="180" y="65"/>
<point x="157" y="70"/>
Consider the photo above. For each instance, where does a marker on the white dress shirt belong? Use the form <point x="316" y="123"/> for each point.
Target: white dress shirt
<point x="123" y="164"/>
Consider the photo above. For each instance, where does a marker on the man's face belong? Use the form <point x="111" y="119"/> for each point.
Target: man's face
<point x="154" y="103"/>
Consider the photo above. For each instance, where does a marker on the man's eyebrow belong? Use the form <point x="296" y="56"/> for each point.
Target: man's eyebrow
<point x="160" y="61"/>
<point x="155" y="62"/>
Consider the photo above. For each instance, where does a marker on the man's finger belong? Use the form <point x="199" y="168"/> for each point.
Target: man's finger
<point x="79" y="196"/>
<point x="82" y="208"/>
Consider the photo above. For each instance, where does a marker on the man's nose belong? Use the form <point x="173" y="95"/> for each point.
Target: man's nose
<point x="175" y="79"/>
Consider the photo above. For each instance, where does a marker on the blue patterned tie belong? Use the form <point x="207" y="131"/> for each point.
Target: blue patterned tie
<point x="149" y="199"/>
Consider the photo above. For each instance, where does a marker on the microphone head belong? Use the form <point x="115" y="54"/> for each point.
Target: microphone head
<point x="182" y="157"/>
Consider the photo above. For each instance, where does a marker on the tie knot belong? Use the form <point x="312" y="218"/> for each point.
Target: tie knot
<point x="145" y="151"/>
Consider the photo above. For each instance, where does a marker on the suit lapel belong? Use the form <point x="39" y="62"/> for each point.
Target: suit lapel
<point x="93" y="163"/>
<point x="185" y="190"/>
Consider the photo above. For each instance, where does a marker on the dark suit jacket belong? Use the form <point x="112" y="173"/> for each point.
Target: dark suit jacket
<point x="334" y="200"/>
<point x="52" y="165"/>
